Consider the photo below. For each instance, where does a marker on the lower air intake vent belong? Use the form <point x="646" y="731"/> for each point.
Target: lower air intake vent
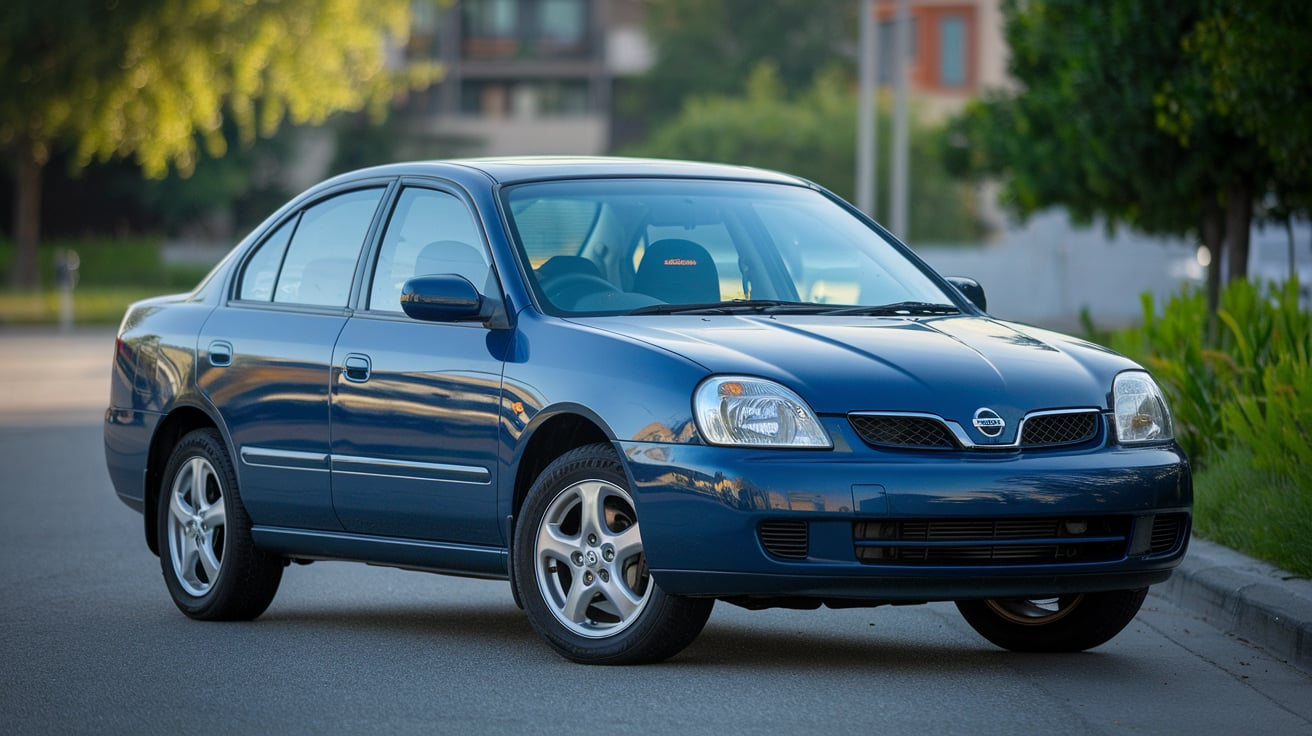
<point x="784" y="539"/>
<point x="1021" y="541"/>
<point x="1166" y="533"/>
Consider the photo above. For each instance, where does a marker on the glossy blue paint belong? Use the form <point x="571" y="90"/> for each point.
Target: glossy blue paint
<point x="359" y="433"/>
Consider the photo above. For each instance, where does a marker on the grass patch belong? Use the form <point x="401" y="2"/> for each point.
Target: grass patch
<point x="1260" y="513"/>
<point x="111" y="275"/>
<point x="91" y="305"/>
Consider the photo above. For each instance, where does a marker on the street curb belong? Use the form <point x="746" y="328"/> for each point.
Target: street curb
<point x="1245" y="597"/>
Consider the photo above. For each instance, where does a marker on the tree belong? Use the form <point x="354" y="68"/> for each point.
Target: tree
<point x="1096" y="125"/>
<point x="710" y="46"/>
<point x="155" y="80"/>
<point x="811" y="134"/>
<point x="1255" y="61"/>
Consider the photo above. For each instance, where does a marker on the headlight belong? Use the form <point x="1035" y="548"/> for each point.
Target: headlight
<point x="738" y="410"/>
<point x="1141" y="413"/>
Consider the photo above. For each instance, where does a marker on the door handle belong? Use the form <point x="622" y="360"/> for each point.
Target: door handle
<point x="220" y="353"/>
<point x="357" y="368"/>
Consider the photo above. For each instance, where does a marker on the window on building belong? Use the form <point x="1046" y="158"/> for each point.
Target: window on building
<point x="523" y="99"/>
<point x="952" y="51"/>
<point x="491" y="28"/>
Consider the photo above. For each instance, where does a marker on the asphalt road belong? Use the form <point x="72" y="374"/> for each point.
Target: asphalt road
<point x="90" y="642"/>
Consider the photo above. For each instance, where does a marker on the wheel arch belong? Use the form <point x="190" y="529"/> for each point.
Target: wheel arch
<point x="172" y="429"/>
<point x="554" y="437"/>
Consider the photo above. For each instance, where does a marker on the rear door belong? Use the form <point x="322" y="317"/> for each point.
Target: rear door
<point x="265" y="356"/>
<point x="415" y="405"/>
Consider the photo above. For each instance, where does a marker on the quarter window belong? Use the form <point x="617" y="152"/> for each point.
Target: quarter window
<point x="261" y="271"/>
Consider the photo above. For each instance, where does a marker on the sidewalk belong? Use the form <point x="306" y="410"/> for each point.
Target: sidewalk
<point x="65" y="376"/>
<point x="1247" y="598"/>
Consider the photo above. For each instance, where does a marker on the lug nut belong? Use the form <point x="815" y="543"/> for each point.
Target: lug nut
<point x="592" y="539"/>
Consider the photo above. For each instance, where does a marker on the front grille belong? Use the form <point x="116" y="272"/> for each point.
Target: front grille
<point x="991" y="541"/>
<point x="883" y="430"/>
<point x="785" y="539"/>
<point x="1166" y="533"/>
<point x="1047" y="430"/>
<point x="922" y="432"/>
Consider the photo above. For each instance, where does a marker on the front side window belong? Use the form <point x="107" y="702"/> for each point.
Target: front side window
<point x="430" y="232"/>
<point x="617" y="246"/>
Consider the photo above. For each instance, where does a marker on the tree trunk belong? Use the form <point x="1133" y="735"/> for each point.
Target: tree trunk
<point x="23" y="270"/>
<point x="1238" y="226"/>
<point x="1213" y="234"/>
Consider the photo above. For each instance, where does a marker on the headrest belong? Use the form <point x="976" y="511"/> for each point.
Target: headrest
<point x="678" y="272"/>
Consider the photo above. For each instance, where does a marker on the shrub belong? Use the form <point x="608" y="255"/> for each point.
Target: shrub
<point x="1243" y="382"/>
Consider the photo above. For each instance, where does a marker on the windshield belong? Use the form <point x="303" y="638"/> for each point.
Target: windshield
<point x="666" y="246"/>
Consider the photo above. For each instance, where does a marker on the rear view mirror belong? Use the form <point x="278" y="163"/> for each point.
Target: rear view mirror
<point x="441" y="298"/>
<point x="971" y="289"/>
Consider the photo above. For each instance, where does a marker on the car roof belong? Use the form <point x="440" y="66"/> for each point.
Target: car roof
<point x="513" y="170"/>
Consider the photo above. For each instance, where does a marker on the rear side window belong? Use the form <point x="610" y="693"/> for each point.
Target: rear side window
<point x="311" y="258"/>
<point x="321" y="259"/>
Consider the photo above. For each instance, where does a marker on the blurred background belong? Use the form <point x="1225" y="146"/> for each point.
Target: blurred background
<point x="148" y="136"/>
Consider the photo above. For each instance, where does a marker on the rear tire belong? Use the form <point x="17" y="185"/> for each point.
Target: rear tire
<point x="211" y="566"/>
<point x="581" y="572"/>
<point x="1069" y="623"/>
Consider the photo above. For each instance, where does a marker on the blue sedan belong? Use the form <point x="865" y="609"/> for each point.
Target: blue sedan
<point x="631" y="389"/>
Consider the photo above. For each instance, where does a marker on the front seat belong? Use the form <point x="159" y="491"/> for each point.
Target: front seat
<point x="454" y="256"/>
<point x="678" y="271"/>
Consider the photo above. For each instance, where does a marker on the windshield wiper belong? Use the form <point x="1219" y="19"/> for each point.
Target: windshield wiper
<point x="908" y="309"/>
<point x="736" y="306"/>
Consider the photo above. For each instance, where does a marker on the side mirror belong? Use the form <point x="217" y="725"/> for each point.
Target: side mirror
<point x="972" y="291"/>
<point x="441" y="298"/>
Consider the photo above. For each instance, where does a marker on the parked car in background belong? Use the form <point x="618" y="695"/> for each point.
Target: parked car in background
<point x="631" y="389"/>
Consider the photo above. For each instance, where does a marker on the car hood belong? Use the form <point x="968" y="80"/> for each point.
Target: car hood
<point x="949" y="366"/>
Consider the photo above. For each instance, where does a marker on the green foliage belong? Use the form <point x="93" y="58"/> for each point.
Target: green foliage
<point x="1080" y="132"/>
<point x="1262" y="513"/>
<point x="1240" y="391"/>
<point x="812" y="134"/>
<point x="708" y="47"/>
<point x="156" y="78"/>
<point x="1126" y="110"/>
<point x="1246" y="383"/>
<point x="111" y="275"/>
<point x="121" y="262"/>
<point x="1252" y="60"/>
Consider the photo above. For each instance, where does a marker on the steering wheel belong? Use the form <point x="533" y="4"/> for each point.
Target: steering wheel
<point x="567" y="289"/>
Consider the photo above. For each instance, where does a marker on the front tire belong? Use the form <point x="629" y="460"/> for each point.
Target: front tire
<point x="1069" y="623"/>
<point x="581" y="572"/>
<point x="211" y="566"/>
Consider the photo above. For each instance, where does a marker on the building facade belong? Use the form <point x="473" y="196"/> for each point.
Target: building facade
<point x="521" y="76"/>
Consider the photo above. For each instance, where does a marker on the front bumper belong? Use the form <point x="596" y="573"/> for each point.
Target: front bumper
<point x="703" y="511"/>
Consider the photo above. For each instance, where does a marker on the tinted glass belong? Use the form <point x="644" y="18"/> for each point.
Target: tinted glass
<point x="325" y="247"/>
<point x="641" y="243"/>
<point x="261" y="271"/>
<point x="430" y="232"/>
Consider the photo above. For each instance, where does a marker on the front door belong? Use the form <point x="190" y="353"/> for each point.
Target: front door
<point x="415" y="405"/>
